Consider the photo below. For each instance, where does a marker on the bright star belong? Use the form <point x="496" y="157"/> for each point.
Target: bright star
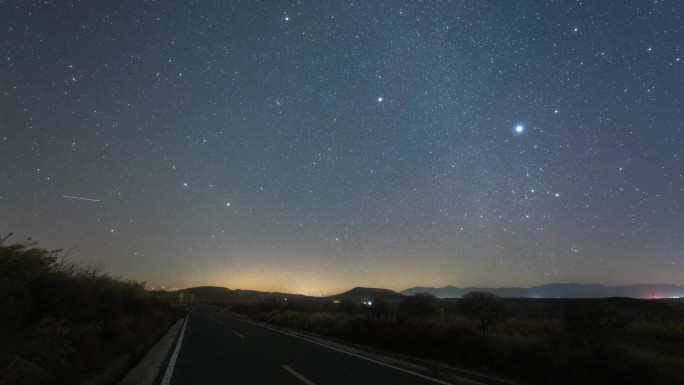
<point x="380" y="99"/>
<point x="519" y="129"/>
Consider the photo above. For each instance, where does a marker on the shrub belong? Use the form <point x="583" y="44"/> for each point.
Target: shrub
<point x="348" y="307"/>
<point x="61" y="321"/>
<point x="484" y="307"/>
<point x="418" y="308"/>
<point x="379" y="308"/>
<point x="594" y="319"/>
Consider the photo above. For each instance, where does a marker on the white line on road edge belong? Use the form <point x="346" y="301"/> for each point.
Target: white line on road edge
<point x="299" y="376"/>
<point x="238" y="334"/>
<point x="169" y="369"/>
<point x="340" y="350"/>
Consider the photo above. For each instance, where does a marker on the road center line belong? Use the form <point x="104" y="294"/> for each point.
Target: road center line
<point x="299" y="376"/>
<point x="238" y="334"/>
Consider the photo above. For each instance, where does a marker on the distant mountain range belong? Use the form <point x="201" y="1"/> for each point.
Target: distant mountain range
<point x="553" y="290"/>
<point x="222" y="294"/>
<point x="560" y="290"/>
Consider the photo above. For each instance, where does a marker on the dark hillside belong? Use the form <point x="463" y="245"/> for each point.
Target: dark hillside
<point x="222" y="294"/>
<point x="368" y="293"/>
<point x="208" y="294"/>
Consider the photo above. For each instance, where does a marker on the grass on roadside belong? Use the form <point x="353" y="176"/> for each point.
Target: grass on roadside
<point x="62" y="322"/>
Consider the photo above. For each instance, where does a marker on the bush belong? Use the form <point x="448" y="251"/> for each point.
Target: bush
<point x="379" y="308"/>
<point x="418" y="308"/>
<point x="61" y="321"/>
<point x="484" y="307"/>
<point x="594" y="319"/>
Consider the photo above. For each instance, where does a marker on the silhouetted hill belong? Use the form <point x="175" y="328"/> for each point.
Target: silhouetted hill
<point x="366" y="293"/>
<point x="210" y="293"/>
<point x="222" y="294"/>
<point x="560" y="290"/>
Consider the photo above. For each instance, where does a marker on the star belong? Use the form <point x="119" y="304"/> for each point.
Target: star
<point x="291" y="120"/>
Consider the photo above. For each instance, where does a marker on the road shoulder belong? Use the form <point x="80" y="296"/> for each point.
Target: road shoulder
<point x="146" y="371"/>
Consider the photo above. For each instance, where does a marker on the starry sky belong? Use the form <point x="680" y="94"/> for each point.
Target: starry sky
<point x="314" y="146"/>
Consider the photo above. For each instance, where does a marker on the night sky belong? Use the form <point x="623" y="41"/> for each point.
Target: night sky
<point x="311" y="147"/>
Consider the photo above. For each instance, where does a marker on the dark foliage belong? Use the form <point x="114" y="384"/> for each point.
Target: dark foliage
<point x="349" y="307"/>
<point x="61" y="322"/>
<point x="484" y="307"/>
<point x="419" y="307"/>
<point x="379" y="308"/>
<point x="594" y="319"/>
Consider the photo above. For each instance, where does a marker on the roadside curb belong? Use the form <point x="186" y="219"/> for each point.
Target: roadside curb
<point x="146" y="371"/>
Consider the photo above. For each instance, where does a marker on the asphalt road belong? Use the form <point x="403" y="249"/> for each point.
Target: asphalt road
<point x="216" y="349"/>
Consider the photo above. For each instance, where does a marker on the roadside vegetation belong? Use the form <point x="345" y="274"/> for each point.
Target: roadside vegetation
<point x="62" y="322"/>
<point x="534" y="341"/>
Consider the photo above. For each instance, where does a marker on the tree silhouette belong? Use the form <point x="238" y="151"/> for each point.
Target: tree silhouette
<point x="379" y="308"/>
<point x="348" y="306"/>
<point x="484" y="307"/>
<point x="418" y="308"/>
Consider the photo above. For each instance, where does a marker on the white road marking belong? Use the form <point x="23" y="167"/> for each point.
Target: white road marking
<point x="238" y="334"/>
<point x="299" y="376"/>
<point x="172" y="363"/>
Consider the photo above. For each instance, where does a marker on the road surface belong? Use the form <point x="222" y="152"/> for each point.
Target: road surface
<point x="217" y="349"/>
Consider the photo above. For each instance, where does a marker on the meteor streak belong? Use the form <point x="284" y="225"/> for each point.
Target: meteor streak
<point x="81" y="198"/>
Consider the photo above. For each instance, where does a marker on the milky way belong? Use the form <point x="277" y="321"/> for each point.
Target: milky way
<point x="316" y="146"/>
